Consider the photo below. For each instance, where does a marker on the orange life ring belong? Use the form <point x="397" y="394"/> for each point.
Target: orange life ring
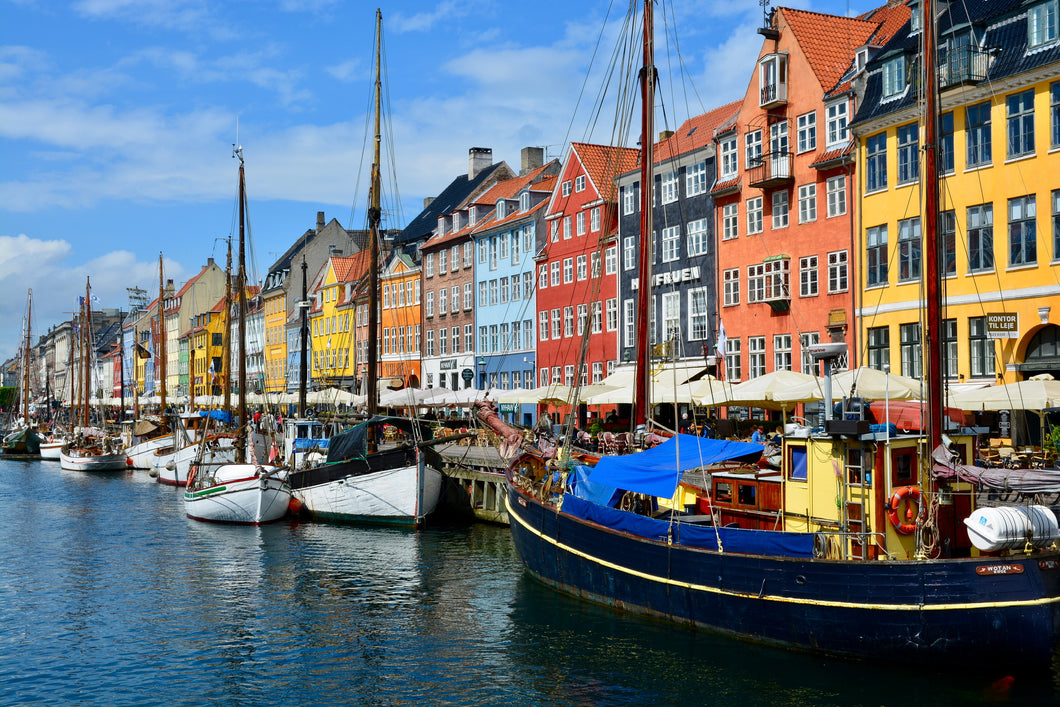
<point x="910" y="495"/>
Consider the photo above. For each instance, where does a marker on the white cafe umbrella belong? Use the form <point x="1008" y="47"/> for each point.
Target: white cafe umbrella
<point x="405" y="397"/>
<point x="774" y="390"/>
<point x="1022" y="395"/>
<point x="863" y="382"/>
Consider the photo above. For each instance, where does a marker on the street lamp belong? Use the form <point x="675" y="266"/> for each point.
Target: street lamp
<point x="482" y="373"/>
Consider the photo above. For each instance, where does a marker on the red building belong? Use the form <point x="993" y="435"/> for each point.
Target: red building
<point x="577" y="270"/>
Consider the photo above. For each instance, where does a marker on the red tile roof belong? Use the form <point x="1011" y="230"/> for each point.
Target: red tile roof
<point x="350" y="267"/>
<point x="603" y="163"/>
<point x="696" y="132"/>
<point x="828" y="41"/>
<point x="890" y="18"/>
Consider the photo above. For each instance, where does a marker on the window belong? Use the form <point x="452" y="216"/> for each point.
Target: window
<point x="629" y="253"/>
<point x="753" y="149"/>
<point x="469" y="337"/>
<point x="671" y="315"/>
<point x="566" y="228"/>
<point x="568" y="321"/>
<point x="698" y="241"/>
<point x="598" y="318"/>
<point x="579" y="183"/>
<point x="948" y="242"/>
<point x="554" y="265"/>
<point x="946" y="143"/>
<point x="542" y="324"/>
<point x="516" y="288"/>
<point x="565" y="187"/>
<point x="629" y="199"/>
<point x="1022" y="231"/>
<point x="1054" y="113"/>
<point x="756" y="283"/>
<point x="733" y="370"/>
<point x="1041" y="24"/>
<point x="429" y="305"/>
<point x="528" y="285"/>
<point x="503" y="244"/>
<point x="782" y="352"/>
<point x="729" y="163"/>
<point x="542" y="376"/>
<point x="581" y="223"/>
<point x="910" y="350"/>
<point x="528" y="239"/>
<point x="668" y="188"/>
<point x="568" y="375"/>
<point x="610" y="260"/>
<point x="443" y="301"/>
<point x="696" y="179"/>
<point x="582" y="268"/>
<point x="772" y="79"/>
<point x="729" y="221"/>
<point x="697" y="314"/>
<point x="776" y="278"/>
<point x="555" y="230"/>
<point x="443" y="342"/>
<point x="808" y="276"/>
<point x="807" y="203"/>
<point x="780" y="209"/>
<point x="503" y="291"/>
<point x="894" y="77"/>
<point x="594" y="219"/>
<point x="977" y="133"/>
<point x="430" y="342"/>
<point x="598" y="371"/>
<point x="836" y="123"/>
<point x="949" y="348"/>
<point x="981" y="348"/>
<point x="443" y="260"/>
<point x="1056" y="225"/>
<point x="542" y="281"/>
<point x="671" y="244"/>
<point x="836" y="189"/>
<point x="493" y="292"/>
<point x="627" y="321"/>
<point x="809" y="364"/>
<point x="428" y="265"/>
<point x="908" y="249"/>
<point x="756" y="356"/>
<point x="1021" y="123"/>
<point x="524" y="201"/>
<point x="981" y="238"/>
<point x="908" y="153"/>
<point x="455" y="299"/>
<point x="778" y="144"/>
<point x="754" y="215"/>
<point x="467" y="297"/>
<point x="731" y="287"/>
<point x="806" y="132"/>
<point x="557" y="315"/>
<point x="876" y="256"/>
<point x="494" y="343"/>
<point x="454" y="258"/>
<point x="612" y="314"/>
<point x="876" y="162"/>
<point x="878" y="347"/>
<point x="568" y="270"/>
<point x="583" y="315"/>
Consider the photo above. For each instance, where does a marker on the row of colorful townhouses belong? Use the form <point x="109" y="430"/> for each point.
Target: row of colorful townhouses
<point x="788" y="218"/>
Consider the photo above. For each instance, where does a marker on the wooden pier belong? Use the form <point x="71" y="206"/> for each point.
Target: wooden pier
<point x="478" y="472"/>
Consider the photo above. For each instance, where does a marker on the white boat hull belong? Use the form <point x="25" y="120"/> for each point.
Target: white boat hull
<point x="72" y="461"/>
<point x="399" y="496"/>
<point x="51" y="450"/>
<point x="143" y="454"/>
<point x="240" y="493"/>
<point x="173" y="467"/>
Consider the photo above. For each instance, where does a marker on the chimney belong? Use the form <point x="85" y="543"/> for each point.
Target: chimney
<point x="427" y="200"/>
<point x="478" y="159"/>
<point x="532" y="158"/>
<point x="665" y="135"/>
<point x="209" y="262"/>
<point x="320" y="221"/>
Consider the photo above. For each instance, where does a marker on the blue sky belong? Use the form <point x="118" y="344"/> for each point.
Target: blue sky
<point x="117" y="118"/>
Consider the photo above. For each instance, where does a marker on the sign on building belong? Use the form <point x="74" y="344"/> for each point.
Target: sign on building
<point x="1003" y="325"/>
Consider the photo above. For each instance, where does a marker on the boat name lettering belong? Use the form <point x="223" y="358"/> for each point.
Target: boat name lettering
<point x="985" y="570"/>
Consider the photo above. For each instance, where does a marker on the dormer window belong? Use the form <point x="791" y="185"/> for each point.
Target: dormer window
<point x="914" y="17"/>
<point x="502" y="209"/>
<point x="456" y="220"/>
<point x="773" y="79"/>
<point x="441" y="225"/>
<point x="1041" y="24"/>
<point x="472" y="214"/>
<point x="524" y="201"/>
<point x="861" y="59"/>
<point x="894" y="76"/>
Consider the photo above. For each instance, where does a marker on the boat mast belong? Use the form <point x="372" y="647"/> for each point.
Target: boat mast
<point x="303" y="359"/>
<point x="241" y="438"/>
<point x="226" y="337"/>
<point x="374" y="217"/>
<point x="26" y="359"/>
<point x="641" y="398"/>
<point x="932" y="326"/>
<point x="121" y="367"/>
<point x="161" y="340"/>
<point x="86" y="353"/>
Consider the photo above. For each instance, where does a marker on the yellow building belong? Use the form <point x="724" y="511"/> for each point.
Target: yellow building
<point x="206" y="351"/>
<point x="999" y="230"/>
<point x="332" y="326"/>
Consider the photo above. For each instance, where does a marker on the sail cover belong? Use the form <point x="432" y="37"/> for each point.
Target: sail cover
<point x="657" y="471"/>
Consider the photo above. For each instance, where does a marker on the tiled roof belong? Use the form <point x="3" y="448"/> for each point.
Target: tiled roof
<point x="491" y="222"/>
<point x="890" y="18"/>
<point x="350" y="267"/>
<point x="450" y="198"/>
<point x="828" y="41"/>
<point x="695" y="133"/>
<point x="727" y="185"/>
<point x="603" y="163"/>
<point x="838" y="154"/>
<point x="545" y="184"/>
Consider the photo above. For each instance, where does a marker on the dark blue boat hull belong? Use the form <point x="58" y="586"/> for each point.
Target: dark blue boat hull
<point x="935" y="612"/>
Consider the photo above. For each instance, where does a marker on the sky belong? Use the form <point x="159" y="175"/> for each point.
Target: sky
<point x="118" y="118"/>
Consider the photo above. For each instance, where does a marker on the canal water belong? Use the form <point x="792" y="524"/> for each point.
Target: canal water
<point x="110" y="596"/>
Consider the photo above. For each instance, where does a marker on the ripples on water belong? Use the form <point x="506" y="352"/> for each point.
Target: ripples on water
<point x="109" y="595"/>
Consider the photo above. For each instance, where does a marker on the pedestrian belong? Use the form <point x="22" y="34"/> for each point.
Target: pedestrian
<point x="686" y="424"/>
<point x="756" y="436"/>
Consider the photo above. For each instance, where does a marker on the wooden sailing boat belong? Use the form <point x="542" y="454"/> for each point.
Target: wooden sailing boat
<point x="91" y="448"/>
<point x="364" y="480"/>
<point x="23" y="438"/>
<point x="867" y="587"/>
<point x="244" y="493"/>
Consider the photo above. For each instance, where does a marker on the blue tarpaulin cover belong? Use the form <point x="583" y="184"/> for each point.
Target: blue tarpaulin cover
<point x="657" y="471"/>
<point x="750" y="542"/>
<point x="583" y="487"/>
<point x="221" y="415"/>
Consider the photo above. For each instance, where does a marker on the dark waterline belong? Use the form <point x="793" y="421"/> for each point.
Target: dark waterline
<point x="109" y="595"/>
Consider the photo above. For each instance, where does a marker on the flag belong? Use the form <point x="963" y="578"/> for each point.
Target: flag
<point x="722" y="340"/>
<point x="213" y="374"/>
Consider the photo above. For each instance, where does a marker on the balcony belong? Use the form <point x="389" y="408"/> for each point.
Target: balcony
<point x="773" y="80"/>
<point x="963" y="66"/>
<point x="773" y="169"/>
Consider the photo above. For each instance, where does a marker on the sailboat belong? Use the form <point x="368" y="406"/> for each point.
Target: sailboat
<point x="91" y="448"/>
<point x="23" y="439"/>
<point x="241" y="492"/>
<point x="646" y="533"/>
<point x="364" y="479"/>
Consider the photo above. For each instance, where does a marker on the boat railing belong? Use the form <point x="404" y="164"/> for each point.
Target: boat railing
<point x="843" y="545"/>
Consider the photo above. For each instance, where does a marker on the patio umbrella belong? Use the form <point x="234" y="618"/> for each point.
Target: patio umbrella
<point x="1022" y="395"/>
<point x="863" y="382"/>
<point x="464" y="397"/>
<point x="775" y="390"/>
<point x="406" y="398"/>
